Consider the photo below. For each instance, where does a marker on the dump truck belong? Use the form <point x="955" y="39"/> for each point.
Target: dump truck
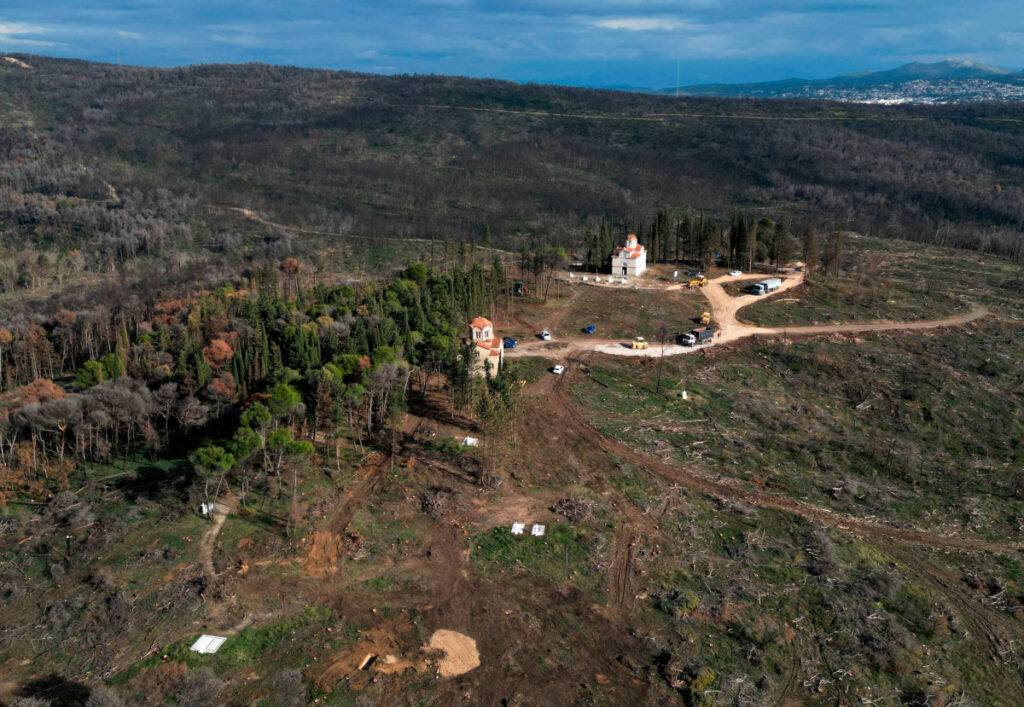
<point x="639" y="343"/>
<point x="699" y="282"/>
<point x="705" y="318"/>
<point x="766" y="286"/>
<point x="704" y="333"/>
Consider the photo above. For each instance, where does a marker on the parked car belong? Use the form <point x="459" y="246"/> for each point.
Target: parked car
<point x="693" y="273"/>
<point x="509" y="342"/>
<point x="545" y="335"/>
<point x="589" y="329"/>
<point x="558" y="370"/>
<point x="735" y="273"/>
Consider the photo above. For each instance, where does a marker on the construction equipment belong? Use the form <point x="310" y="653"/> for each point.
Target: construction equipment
<point x="704" y="334"/>
<point x="639" y="343"/>
<point x="699" y="282"/>
<point x="705" y="318"/>
<point x="519" y="289"/>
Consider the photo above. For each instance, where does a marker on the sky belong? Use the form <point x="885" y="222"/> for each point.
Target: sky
<point x="642" y="43"/>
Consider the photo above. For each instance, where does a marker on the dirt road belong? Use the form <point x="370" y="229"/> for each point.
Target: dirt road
<point x="728" y="327"/>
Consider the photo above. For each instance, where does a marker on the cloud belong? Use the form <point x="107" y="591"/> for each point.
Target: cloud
<point x="639" y="24"/>
<point x="130" y="35"/>
<point x="12" y="33"/>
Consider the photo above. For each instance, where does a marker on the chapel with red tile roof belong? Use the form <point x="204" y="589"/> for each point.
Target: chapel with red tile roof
<point x="490" y="349"/>
<point x="629" y="260"/>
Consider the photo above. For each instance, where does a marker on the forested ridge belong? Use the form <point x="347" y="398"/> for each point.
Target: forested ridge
<point x="101" y="164"/>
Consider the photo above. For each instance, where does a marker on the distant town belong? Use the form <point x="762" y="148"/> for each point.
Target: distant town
<point x="918" y="91"/>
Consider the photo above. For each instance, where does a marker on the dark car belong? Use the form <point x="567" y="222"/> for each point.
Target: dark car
<point x="509" y="342"/>
<point x="693" y="273"/>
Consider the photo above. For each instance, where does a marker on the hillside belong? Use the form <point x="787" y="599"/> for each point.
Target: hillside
<point x="236" y="399"/>
<point x="126" y="165"/>
<point x="824" y="519"/>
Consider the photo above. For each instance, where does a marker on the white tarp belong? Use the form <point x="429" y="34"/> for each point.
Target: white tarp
<point x="537" y="531"/>
<point x="470" y="442"/>
<point x="208" y="644"/>
<point x="518" y="528"/>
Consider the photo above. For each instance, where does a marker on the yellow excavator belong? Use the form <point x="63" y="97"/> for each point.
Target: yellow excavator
<point x="639" y="343"/>
<point x="705" y="318"/>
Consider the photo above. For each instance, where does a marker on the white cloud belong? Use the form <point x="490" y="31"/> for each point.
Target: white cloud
<point x="639" y="24"/>
<point x="129" y="35"/>
<point x="13" y="33"/>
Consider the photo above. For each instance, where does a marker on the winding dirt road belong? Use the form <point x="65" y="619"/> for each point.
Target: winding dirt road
<point x="724" y="308"/>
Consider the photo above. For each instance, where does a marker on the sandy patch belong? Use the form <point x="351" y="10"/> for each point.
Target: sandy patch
<point x="459" y="653"/>
<point x="321" y="558"/>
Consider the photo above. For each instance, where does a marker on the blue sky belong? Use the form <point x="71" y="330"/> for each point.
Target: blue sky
<point x="594" y="42"/>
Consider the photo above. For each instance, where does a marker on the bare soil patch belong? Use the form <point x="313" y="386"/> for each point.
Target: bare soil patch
<point x="460" y="654"/>
<point x="321" y="559"/>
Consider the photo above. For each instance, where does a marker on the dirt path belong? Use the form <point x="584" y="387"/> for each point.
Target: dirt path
<point x="219" y="513"/>
<point x="724" y="308"/>
<point x="259" y="218"/>
<point x="621" y="570"/>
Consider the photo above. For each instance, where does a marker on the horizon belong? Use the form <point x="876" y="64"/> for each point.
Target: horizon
<point x="640" y="44"/>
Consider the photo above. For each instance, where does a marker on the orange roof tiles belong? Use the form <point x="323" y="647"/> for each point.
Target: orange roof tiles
<point x="480" y="323"/>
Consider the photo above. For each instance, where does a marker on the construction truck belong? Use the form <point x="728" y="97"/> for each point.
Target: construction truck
<point x="705" y="318"/>
<point x="519" y="289"/>
<point x="699" y="282"/>
<point x="639" y="343"/>
<point x="704" y="334"/>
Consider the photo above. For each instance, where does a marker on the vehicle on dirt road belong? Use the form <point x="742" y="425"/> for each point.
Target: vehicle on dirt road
<point x="766" y="286"/>
<point x="700" y="282"/>
<point x="509" y="342"/>
<point x="705" y="318"/>
<point x="558" y="370"/>
<point x="686" y="339"/>
<point x="545" y="335"/>
<point x="735" y="273"/>
<point x="639" y="343"/>
<point x="694" y="273"/>
<point x="704" y="334"/>
<point x="589" y="329"/>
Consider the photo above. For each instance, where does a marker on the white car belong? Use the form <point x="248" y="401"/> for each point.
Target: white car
<point x="558" y="370"/>
<point x="545" y="335"/>
<point x="735" y="273"/>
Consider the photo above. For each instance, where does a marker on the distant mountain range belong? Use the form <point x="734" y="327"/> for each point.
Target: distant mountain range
<point x="947" y="81"/>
